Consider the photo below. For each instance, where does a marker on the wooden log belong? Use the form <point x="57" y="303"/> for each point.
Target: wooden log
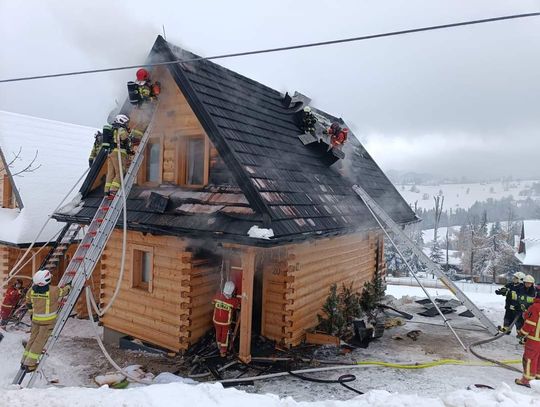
<point x="246" y="310"/>
<point x="327" y="244"/>
<point x="319" y="338"/>
<point x="166" y="341"/>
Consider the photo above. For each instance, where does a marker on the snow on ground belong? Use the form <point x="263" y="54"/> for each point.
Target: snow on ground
<point x="76" y="355"/>
<point x="463" y="195"/>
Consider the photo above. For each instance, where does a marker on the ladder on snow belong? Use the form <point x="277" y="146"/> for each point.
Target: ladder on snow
<point x="433" y="267"/>
<point x="89" y="252"/>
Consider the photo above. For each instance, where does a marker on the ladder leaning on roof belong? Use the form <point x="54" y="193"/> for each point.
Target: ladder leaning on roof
<point x="89" y="251"/>
<point x="380" y="214"/>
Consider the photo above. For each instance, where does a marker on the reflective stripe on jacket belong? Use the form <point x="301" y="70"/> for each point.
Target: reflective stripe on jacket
<point x="44" y="305"/>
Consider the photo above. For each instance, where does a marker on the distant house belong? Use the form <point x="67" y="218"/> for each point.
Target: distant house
<point x="529" y="248"/>
<point x="228" y="190"/>
<point x="40" y="160"/>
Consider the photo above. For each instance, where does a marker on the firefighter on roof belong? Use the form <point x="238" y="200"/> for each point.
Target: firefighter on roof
<point x="11" y="299"/>
<point x="512" y="308"/>
<point x="143" y="89"/>
<point x="338" y="135"/>
<point x="116" y="137"/>
<point x="531" y="334"/>
<point x="42" y="301"/>
<point x="225" y="305"/>
<point x="98" y="141"/>
<point x="308" y="121"/>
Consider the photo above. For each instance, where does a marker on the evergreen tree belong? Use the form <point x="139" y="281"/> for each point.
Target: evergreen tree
<point x="332" y="322"/>
<point x="436" y="253"/>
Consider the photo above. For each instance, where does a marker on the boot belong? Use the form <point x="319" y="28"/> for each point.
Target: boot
<point x="522" y="382"/>
<point x="28" y="369"/>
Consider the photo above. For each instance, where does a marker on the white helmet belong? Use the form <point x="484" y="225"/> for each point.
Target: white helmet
<point x="121" y="119"/>
<point x="42" y="277"/>
<point x="528" y="279"/>
<point x="520" y="276"/>
<point x="228" y="289"/>
<point x="307" y="109"/>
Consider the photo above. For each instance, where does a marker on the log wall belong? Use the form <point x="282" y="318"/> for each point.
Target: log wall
<point x="295" y="288"/>
<point x="178" y="310"/>
<point x="159" y="316"/>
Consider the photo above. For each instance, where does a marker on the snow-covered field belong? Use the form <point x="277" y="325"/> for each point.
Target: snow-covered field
<point x="438" y="386"/>
<point x="463" y="195"/>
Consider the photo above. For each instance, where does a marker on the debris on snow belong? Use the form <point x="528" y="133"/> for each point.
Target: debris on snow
<point x="109" y="379"/>
<point x="73" y="207"/>
<point x="260" y="233"/>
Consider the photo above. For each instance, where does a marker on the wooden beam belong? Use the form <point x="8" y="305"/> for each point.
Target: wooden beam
<point x="246" y="310"/>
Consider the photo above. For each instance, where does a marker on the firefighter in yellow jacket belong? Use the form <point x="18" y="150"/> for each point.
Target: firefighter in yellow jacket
<point x="42" y="301"/>
<point x="116" y="137"/>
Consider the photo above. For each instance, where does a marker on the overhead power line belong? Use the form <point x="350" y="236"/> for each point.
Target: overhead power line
<point x="279" y="49"/>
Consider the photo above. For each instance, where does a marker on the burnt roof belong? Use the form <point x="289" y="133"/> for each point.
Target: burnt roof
<point x="286" y="185"/>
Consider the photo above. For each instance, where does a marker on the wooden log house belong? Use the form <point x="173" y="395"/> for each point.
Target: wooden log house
<point x="225" y="156"/>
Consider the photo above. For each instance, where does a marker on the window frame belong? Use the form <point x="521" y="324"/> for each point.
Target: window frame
<point x="137" y="270"/>
<point x="141" y="179"/>
<point x="181" y="176"/>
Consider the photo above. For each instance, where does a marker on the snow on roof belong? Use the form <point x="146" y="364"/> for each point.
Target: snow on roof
<point x="531" y="257"/>
<point x="62" y="156"/>
<point x="532" y="230"/>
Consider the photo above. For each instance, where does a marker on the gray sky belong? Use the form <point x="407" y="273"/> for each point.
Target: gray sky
<point x="463" y="101"/>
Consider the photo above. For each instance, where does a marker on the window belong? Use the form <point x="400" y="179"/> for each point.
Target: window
<point x="142" y="268"/>
<point x="151" y="169"/>
<point x="193" y="161"/>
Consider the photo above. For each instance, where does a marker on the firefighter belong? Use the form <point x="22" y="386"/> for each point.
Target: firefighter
<point x="11" y="299"/>
<point x="225" y="305"/>
<point x="526" y="296"/>
<point x="338" y="135"/>
<point x="42" y="301"/>
<point x="512" y="309"/>
<point x="143" y="89"/>
<point x="116" y="136"/>
<point x="98" y="141"/>
<point x="308" y="121"/>
<point x="530" y="332"/>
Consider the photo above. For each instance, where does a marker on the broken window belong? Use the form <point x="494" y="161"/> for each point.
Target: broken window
<point x="142" y="268"/>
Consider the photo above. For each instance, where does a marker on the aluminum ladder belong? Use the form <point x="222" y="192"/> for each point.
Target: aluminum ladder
<point x="89" y="252"/>
<point x="433" y="267"/>
<point x="67" y="236"/>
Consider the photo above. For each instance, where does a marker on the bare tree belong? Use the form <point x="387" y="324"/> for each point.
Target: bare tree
<point x="30" y="167"/>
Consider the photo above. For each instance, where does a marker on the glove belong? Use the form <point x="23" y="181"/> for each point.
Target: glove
<point x="90" y="162"/>
<point x="498" y="292"/>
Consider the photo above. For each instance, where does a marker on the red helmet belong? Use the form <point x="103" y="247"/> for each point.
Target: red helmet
<point x="143" y="75"/>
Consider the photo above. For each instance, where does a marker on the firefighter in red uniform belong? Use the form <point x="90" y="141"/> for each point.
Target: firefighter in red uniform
<point x="11" y="299"/>
<point x="338" y="134"/>
<point x="531" y="333"/>
<point x="225" y="305"/>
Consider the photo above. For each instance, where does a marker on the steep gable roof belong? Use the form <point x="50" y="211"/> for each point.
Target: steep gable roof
<point x="61" y="156"/>
<point x="279" y="182"/>
<point x="290" y="184"/>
